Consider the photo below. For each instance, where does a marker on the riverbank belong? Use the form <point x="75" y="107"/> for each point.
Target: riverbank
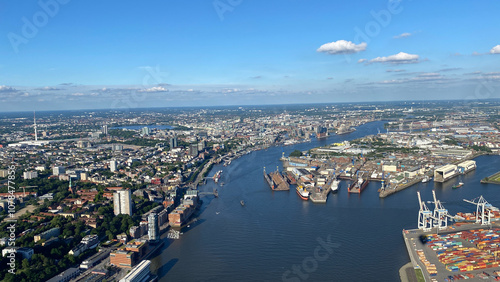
<point x="387" y="192"/>
<point x="493" y="179"/>
<point x="231" y="240"/>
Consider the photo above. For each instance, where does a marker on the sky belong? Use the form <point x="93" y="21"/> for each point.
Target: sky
<point x="74" y="54"/>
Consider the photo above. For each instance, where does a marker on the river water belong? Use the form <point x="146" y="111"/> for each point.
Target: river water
<point x="276" y="236"/>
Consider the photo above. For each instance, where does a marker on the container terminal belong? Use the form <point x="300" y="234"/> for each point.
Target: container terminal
<point x="467" y="248"/>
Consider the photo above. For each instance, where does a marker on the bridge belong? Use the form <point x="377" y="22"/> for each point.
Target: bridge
<point x="215" y="193"/>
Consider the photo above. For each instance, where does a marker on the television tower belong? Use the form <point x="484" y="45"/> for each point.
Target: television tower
<point x="34" y="121"/>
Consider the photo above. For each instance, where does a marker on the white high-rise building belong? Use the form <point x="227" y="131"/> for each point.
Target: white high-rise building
<point x="153" y="229"/>
<point x="57" y="170"/>
<point x="112" y="165"/>
<point x="122" y="202"/>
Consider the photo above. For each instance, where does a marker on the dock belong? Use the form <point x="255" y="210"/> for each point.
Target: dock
<point x="319" y="196"/>
<point x="389" y="191"/>
<point x="280" y="183"/>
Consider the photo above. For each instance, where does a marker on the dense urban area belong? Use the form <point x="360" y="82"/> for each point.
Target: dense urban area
<point x="86" y="195"/>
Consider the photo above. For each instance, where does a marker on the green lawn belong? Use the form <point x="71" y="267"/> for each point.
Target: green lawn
<point x="420" y="275"/>
<point x="495" y="178"/>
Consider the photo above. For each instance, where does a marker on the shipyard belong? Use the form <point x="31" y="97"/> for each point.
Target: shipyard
<point x="408" y="153"/>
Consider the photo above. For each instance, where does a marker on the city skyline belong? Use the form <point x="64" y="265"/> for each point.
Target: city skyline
<point x="68" y="55"/>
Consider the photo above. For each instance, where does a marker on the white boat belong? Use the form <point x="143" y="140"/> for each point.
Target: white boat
<point x="335" y="185"/>
<point x="303" y="193"/>
<point x="426" y="179"/>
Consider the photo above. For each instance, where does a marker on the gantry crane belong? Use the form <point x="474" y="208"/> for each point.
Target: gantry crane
<point x="483" y="210"/>
<point x="424" y="215"/>
<point x="440" y="214"/>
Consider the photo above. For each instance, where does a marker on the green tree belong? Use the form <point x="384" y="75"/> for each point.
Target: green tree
<point x="296" y="153"/>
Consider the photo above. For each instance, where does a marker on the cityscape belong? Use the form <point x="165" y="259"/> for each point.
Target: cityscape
<point x="250" y="141"/>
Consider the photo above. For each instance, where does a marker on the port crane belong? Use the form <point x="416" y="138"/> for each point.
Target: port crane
<point x="440" y="214"/>
<point x="483" y="210"/>
<point x="424" y="215"/>
<point x="428" y="219"/>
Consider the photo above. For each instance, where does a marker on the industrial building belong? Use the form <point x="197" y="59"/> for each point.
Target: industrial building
<point x="466" y="166"/>
<point x="445" y="173"/>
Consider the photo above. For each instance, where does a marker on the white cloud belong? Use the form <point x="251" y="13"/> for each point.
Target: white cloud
<point x="154" y="89"/>
<point x="7" y="89"/>
<point x="361" y="60"/>
<point x="396" y="70"/>
<point x="48" y="88"/>
<point x="342" y="47"/>
<point x="429" y="74"/>
<point x="495" y="50"/>
<point x="400" y="58"/>
<point x="403" y="35"/>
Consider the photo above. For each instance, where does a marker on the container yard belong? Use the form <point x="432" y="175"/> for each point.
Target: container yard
<point x="463" y="250"/>
<point x="472" y="252"/>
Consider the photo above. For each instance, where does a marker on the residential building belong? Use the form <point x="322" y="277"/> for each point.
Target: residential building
<point x="153" y="229"/>
<point x="122" y="201"/>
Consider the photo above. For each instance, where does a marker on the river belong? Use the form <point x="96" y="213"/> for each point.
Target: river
<point x="276" y="236"/>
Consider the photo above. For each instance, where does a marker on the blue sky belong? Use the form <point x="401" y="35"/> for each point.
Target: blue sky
<point x="71" y="54"/>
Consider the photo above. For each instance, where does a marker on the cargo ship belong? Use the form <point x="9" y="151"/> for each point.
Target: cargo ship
<point x="358" y="186"/>
<point x="458" y="185"/>
<point x="303" y="193"/>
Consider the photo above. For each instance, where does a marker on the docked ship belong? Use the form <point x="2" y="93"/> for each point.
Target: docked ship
<point x="268" y="180"/>
<point x="426" y="179"/>
<point x="217" y="176"/>
<point x="303" y="193"/>
<point x="358" y="186"/>
<point x="289" y="177"/>
<point x="335" y="185"/>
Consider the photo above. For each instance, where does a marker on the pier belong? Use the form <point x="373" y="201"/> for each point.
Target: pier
<point x="389" y="191"/>
<point x="319" y="196"/>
